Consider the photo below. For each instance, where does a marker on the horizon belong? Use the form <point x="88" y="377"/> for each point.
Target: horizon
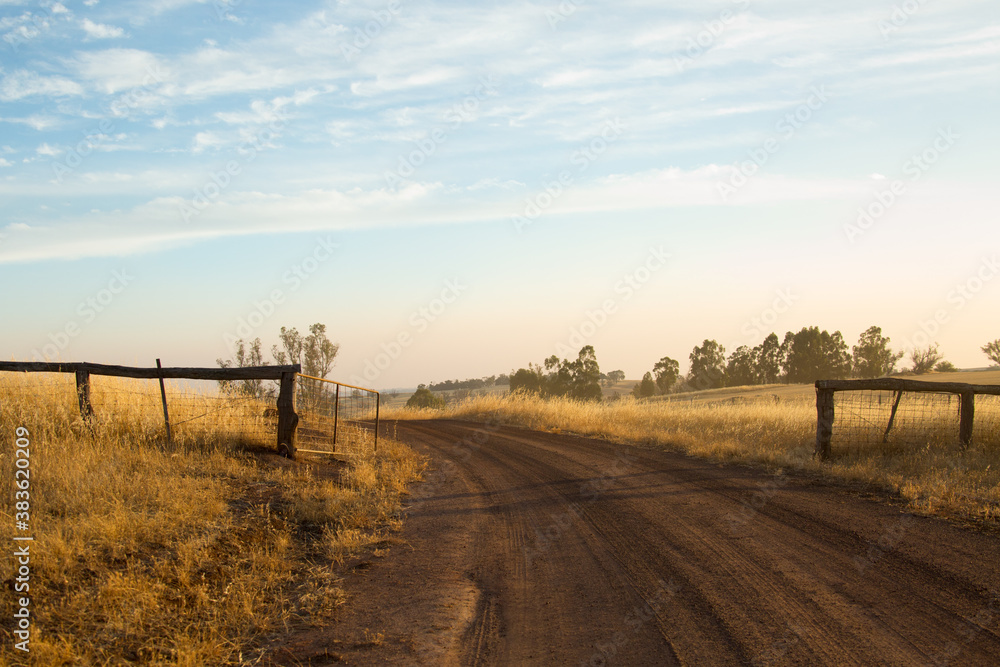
<point x="463" y="200"/>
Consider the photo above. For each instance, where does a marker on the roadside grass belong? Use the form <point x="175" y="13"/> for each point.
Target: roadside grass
<point x="941" y="478"/>
<point x="207" y="550"/>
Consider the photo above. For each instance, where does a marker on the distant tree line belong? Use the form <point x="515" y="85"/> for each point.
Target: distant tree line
<point x="802" y="357"/>
<point x="472" y="383"/>
<point x="578" y="378"/>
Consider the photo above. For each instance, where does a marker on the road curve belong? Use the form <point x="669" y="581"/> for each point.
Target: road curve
<point x="522" y="547"/>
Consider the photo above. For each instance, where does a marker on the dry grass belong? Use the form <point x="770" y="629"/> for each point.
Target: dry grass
<point x="941" y="479"/>
<point x="203" y="551"/>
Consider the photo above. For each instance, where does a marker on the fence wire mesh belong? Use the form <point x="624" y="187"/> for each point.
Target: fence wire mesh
<point x="872" y="418"/>
<point x="201" y="413"/>
<point x="335" y="418"/>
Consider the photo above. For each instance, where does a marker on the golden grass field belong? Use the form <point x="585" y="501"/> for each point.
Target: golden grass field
<point x="206" y="551"/>
<point x="747" y="425"/>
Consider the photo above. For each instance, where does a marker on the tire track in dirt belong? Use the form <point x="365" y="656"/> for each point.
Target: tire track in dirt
<point x="557" y="549"/>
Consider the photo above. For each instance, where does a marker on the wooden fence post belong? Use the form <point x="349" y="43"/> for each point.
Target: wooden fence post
<point x="163" y="398"/>
<point x="287" y="419"/>
<point x="824" y="421"/>
<point x="83" y="394"/>
<point x="968" y="416"/>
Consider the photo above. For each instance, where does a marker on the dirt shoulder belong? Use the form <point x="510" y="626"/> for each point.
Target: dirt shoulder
<point x="537" y="548"/>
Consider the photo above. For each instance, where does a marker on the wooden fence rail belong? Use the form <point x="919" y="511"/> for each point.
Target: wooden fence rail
<point x="287" y="418"/>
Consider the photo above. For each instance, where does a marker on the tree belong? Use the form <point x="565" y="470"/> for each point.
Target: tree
<point x="559" y="381"/>
<point x="318" y="352"/>
<point x="646" y="388"/>
<point x="708" y="366"/>
<point x="945" y="367"/>
<point x="246" y="355"/>
<point x="586" y="376"/>
<point x="315" y="353"/>
<point x="813" y="355"/>
<point x="667" y="371"/>
<point x="616" y="376"/>
<point x="742" y="368"/>
<point x="423" y="398"/>
<point x="770" y="359"/>
<point x="992" y="351"/>
<point x="925" y="359"/>
<point x="526" y="379"/>
<point x="872" y="356"/>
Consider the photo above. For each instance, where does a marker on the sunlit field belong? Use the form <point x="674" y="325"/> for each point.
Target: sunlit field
<point x="204" y="551"/>
<point x="940" y="478"/>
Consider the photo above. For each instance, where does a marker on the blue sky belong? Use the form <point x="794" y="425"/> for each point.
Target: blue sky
<point x="494" y="183"/>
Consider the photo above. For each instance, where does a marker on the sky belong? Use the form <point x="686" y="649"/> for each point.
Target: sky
<point x="456" y="190"/>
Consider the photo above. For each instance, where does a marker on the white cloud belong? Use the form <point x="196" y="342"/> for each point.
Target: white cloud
<point x="5" y="163"/>
<point x="46" y="149"/>
<point x="21" y="84"/>
<point x="115" y="70"/>
<point x="100" y="30"/>
<point x="204" y="140"/>
<point x="37" y="122"/>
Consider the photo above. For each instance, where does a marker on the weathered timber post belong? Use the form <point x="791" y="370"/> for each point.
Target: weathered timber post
<point x="287" y="419"/>
<point x="824" y="421"/>
<point x="968" y="416"/>
<point x="83" y="394"/>
<point x="163" y="398"/>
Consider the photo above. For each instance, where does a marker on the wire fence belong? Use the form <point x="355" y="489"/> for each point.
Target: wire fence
<point x="200" y="413"/>
<point x="336" y="418"/>
<point x="907" y="415"/>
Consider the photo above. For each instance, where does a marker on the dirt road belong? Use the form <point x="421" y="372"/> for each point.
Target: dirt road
<point x="536" y="548"/>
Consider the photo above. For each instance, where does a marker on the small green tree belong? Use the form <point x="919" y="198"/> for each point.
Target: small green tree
<point x="646" y="388"/>
<point x="992" y="351"/>
<point x="667" y="371"/>
<point x="872" y="357"/>
<point x="424" y="398"/>
<point x="945" y="367"/>
<point x="616" y="376"/>
<point x="925" y="359"/>
<point x="247" y="354"/>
